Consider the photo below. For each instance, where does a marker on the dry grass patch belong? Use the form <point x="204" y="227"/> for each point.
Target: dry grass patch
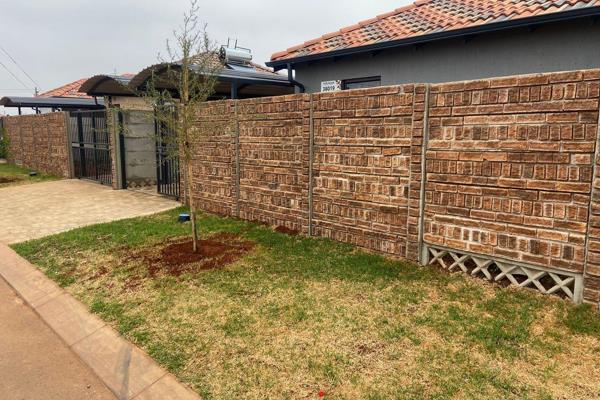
<point x="289" y="317"/>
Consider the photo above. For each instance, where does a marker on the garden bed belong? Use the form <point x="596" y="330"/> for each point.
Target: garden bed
<point x="263" y="314"/>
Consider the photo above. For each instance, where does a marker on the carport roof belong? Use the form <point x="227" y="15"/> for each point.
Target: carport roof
<point x="127" y="85"/>
<point x="246" y="75"/>
<point x="101" y="85"/>
<point x="52" y="102"/>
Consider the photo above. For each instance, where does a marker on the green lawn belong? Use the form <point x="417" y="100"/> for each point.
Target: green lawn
<point x="297" y="316"/>
<point x="11" y="175"/>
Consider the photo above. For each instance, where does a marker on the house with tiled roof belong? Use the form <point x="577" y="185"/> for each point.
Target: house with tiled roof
<point x="450" y="40"/>
<point x="69" y="90"/>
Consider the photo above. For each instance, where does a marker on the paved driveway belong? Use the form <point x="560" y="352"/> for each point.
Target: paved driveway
<point x="34" y="211"/>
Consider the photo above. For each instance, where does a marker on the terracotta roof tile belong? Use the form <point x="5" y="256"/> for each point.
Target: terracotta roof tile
<point x="72" y="89"/>
<point x="426" y="17"/>
<point x="68" y="90"/>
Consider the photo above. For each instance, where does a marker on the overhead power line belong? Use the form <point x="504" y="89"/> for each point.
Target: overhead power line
<point x="18" y="66"/>
<point x="13" y="75"/>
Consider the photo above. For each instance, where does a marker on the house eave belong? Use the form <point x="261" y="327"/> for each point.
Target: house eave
<point x="444" y="35"/>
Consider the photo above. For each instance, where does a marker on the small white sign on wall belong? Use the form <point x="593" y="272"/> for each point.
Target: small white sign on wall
<point x="331" y="86"/>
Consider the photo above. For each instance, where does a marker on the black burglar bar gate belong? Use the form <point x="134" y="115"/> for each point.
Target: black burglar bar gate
<point x="167" y="161"/>
<point x="90" y="149"/>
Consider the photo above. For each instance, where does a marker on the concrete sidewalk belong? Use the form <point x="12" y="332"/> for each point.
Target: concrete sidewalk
<point x="35" y="363"/>
<point x="125" y="369"/>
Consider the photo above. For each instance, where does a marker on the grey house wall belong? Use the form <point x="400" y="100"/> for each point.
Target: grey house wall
<point x="550" y="48"/>
<point x="140" y="148"/>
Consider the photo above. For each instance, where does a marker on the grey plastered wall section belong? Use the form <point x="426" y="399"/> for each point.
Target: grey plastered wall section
<point x="559" y="47"/>
<point x="140" y="148"/>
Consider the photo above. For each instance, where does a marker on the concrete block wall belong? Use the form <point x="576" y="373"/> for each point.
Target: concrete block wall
<point x="214" y="159"/>
<point x="362" y="163"/>
<point x="273" y="137"/>
<point x="511" y="168"/>
<point x="39" y="142"/>
<point x="592" y="267"/>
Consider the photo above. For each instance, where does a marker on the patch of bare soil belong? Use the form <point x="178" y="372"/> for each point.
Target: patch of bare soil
<point x="178" y="257"/>
<point x="286" y="230"/>
<point x="8" y="179"/>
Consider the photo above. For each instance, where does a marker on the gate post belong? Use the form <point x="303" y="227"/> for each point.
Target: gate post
<point x="120" y="168"/>
<point x="116" y="146"/>
<point x="69" y="144"/>
<point x="81" y="145"/>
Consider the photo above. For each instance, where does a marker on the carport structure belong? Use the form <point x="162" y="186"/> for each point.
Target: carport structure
<point x="142" y="154"/>
<point x="53" y="103"/>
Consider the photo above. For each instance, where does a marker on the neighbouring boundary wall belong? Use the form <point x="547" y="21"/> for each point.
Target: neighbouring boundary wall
<point x="39" y="142"/>
<point x="510" y="190"/>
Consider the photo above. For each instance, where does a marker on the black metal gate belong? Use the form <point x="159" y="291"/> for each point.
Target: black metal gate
<point x="167" y="162"/>
<point x="90" y="146"/>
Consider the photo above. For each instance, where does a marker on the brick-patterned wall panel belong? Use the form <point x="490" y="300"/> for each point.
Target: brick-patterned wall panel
<point x="39" y="142"/>
<point x="273" y="140"/>
<point x="362" y="166"/>
<point x="509" y="167"/>
<point x="213" y="159"/>
<point x="591" y="291"/>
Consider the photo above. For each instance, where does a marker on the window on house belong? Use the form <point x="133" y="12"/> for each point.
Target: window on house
<point x="362" y="83"/>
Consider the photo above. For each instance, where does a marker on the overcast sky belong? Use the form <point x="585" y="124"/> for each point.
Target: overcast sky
<point x="59" y="41"/>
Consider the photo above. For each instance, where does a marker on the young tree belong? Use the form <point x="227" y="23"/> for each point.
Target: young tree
<point x="176" y="90"/>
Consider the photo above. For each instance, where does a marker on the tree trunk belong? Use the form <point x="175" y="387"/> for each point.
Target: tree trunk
<point x="192" y="207"/>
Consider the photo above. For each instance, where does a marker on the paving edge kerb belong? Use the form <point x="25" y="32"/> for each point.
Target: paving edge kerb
<point x="123" y="367"/>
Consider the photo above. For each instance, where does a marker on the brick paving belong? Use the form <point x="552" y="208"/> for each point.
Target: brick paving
<point x="34" y="211"/>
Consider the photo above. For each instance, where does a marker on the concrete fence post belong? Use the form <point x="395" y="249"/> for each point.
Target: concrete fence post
<point x="311" y="158"/>
<point x="415" y="193"/>
<point x="238" y="171"/>
<point x="423" y="258"/>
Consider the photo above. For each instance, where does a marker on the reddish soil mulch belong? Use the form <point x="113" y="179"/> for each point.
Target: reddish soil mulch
<point x="287" y="231"/>
<point x="178" y="258"/>
<point x="6" y="179"/>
